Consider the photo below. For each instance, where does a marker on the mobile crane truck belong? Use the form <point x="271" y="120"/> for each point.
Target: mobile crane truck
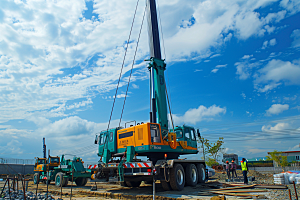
<point x="119" y="147"/>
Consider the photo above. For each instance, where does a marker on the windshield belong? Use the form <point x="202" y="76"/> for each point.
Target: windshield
<point x="103" y="138"/>
<point x="178" y="133"/>
<point x="54" y="160"/>
<point x="41" y="161"/>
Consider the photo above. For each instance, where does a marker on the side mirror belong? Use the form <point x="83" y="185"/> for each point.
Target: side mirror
<point x="198" y="133"/>
<point x="96" y="139"/>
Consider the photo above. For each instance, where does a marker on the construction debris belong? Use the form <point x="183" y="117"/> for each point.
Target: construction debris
<point x="10" y="194"/>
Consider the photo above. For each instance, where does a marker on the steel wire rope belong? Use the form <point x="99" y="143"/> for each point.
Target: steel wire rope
<point x="122" y="64"/>
<point x="132" y="65"/>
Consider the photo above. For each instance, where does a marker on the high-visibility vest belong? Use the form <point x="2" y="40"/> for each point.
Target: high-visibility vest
<point x="244" y="166"/>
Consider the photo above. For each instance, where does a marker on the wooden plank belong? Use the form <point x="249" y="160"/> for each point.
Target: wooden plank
<point x="237" y="187"/>
<point x="240" y="191"/>
<point x="237" y="194"/>
<point x="271" y="186"/>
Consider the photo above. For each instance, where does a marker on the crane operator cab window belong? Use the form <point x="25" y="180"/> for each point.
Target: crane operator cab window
<point x="155" y="134"/>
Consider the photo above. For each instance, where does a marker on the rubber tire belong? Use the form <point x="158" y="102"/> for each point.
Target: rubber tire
<point x="81" y="181"/>
<point x="166" y="185"/>
<point x="36" y="178"/>
<point x="189" y="170"/>
<point x="175" y="185"/>
<point x="85" y="181"/>
<point x="201" y="173"/>
<point x="59" y="177"/>
<point x="133" y="183"/>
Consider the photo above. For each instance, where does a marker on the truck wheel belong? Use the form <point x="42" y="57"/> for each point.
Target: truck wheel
<point x="191" y="174"/>
<point x="166" y="185"/>
<point x="133" y="183"/>
<point x="85" y="181"/>
<point x="36" y="178"/>
<point x="201" y="173"/>
<point x="59" y="179"/>
<point x="177" y="178"/>
<point x="80" y="181"/>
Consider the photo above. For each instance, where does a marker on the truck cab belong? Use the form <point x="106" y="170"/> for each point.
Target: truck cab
<point x="40" y="164"/>
<point x="186" y="133"/>
<point x="111" y="144"/>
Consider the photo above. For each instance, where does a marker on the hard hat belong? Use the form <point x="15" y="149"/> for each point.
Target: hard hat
<point x="232" y="161"/>
<point x="227" y="161"/>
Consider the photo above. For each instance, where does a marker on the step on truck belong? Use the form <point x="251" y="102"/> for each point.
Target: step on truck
<point x="121" y="149"/>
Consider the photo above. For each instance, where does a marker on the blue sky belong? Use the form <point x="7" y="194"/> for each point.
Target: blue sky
<point x="233" y="71"/>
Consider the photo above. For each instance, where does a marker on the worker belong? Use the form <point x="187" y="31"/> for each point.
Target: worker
<point x="244" y="166"/>
<point x="233" y="169"/>
<point x="227" y="169"/>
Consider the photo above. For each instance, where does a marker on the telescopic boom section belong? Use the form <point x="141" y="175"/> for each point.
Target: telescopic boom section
<point x="157" y="67"/>
<point x="153" y="31"/>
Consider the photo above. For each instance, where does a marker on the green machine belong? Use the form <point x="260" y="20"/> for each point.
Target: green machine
<point x="61" y="171"/>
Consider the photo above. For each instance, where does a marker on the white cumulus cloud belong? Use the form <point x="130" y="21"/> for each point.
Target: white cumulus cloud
<point x="276" y="109"/>
<point x="296" y="38"/>
<point x="195" y="115"/>
<point x="275" y="73"/>
<point x="278" y="127"/>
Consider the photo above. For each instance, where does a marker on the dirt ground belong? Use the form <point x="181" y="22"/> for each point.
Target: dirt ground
<point x="112" y="190"/>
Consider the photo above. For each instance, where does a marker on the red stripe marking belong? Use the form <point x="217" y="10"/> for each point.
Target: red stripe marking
<point x="146" y="164"/>
<point x="131" y="165"/>
<point x="140" y="165"/>
<point x="124" y="165"/>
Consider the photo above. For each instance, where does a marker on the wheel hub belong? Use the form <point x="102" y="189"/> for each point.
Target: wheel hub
<point x="194" y="175"/>
<point x="179" y="177"/>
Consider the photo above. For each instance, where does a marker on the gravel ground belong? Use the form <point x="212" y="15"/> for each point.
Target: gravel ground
<point x="145" y="191"/>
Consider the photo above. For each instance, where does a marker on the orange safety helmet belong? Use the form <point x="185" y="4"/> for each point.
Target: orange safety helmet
<point x="227" y="161"/>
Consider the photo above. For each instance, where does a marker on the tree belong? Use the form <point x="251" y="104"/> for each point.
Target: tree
<point x="277" y="157"/>
<point x="211" y="162"/>
<point x="213" y="149"/>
